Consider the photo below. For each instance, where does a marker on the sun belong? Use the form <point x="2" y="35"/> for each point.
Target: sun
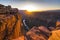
<point x="29" y="8"/>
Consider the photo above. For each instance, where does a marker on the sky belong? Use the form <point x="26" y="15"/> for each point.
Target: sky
<point x="38" y="4"/>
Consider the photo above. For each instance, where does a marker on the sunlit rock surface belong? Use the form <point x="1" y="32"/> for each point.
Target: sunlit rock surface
<point x="10" y="23"/>
<point x="38" y="33"/>
<point x="20" y="38"/>
<point x="55" y="35"/>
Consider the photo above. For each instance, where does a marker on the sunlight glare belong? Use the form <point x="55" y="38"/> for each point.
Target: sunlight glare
<point x="30" y="8"/>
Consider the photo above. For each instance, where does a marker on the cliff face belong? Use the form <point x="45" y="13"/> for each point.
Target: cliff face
<point x="10" y="23"/>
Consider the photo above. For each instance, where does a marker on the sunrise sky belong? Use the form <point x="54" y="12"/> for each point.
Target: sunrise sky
<point x="33" y="4"/>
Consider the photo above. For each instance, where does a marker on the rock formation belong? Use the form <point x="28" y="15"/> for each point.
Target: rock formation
<point x="38" y="33"/>
<point x="10" y="23"/>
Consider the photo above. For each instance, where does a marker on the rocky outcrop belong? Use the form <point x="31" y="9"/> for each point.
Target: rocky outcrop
<point x="10" y="23"/>
<point x="38" y="33"/>
<point x="7" y="9"/>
